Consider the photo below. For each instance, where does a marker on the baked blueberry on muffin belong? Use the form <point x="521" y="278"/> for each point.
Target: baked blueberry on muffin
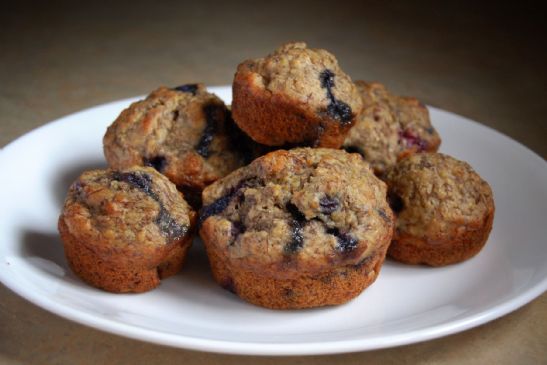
<point x="296" y="229"/>
<point x="295" y="96"/>
<point x="444" y="209"/>
<point x="390" y="127"/>
<point x="124" y="230"/>
<point x="185" y="133"/>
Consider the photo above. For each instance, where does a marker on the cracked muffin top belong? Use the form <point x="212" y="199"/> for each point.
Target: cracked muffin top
<point x="390" y="127"/>
<point x="129" y="209"/>
<point x="312" y="95"/>
<point x="303" y="210"/>
<point x="433" y="192"/>
<point x="185" y="133"/>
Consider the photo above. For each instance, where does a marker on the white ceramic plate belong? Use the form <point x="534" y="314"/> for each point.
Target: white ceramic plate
<point x="406" y="304"/>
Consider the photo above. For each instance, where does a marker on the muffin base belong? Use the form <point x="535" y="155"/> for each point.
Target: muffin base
<point x="116" y="272"/>
<point x="332" y="287"/>
<point x="457" y="247"/>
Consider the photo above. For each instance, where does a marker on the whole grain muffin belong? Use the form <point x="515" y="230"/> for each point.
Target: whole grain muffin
<point x="390" y="127"/>
<point x="125" y="230"/>
<point x="185" y="133"/>
<point x="296" y="229"/>
<point x="444" y="210"/>
<point x="295" y="96"/>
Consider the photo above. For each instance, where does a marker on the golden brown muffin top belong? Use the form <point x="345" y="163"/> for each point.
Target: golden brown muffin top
<point x="131" y="208"/>
<point x="390" y="127"/>
<point x="185" y="133"/>
<point x="310" y="77"/>
<point x="302" y="210"/>
<point x="431" y="192"/>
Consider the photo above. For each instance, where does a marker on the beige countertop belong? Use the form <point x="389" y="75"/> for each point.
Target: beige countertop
<point x="485" y="63"/>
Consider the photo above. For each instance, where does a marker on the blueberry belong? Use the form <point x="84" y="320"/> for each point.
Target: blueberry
<point x="346" y="243"/>
<point x="327" y="79"/>
<point x="382" y="213"/>
<point x="297" y="222"/>
<point x="237" y="228"/>
<point x="328" y="204"/>
<point x="188" y="88"/>
<point x="221" y="203"/>
<point x="412" y="140"/>
<point x="340" y="111"/>
<point x="143" y="182"/>
<point x="297" y="239"/>
<point x="169" y="226"/>
<point x="140" y="181"/>
<point x="214" y="115"/>
<point x="336" y="109"/>
<point x="157" y="162"/>
<point x="214" y="208"/>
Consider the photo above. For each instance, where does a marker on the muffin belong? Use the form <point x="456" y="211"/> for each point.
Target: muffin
<point x="295" y="96"/>
<point x="390" y="127"/>
<point x="444" y="210"/>
<point x="124" y="231"/>
<point x="185" y="133"/>
<point x="297" y="229"/>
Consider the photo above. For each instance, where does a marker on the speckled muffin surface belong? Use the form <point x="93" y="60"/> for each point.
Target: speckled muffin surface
<point x="185" y="133"/>
<point x="295" y="96"/>
<point x="444" y="209"/>
<point x="390" y="127"/>
<point x="125" y="230"/>
<point x="299" y="228"/>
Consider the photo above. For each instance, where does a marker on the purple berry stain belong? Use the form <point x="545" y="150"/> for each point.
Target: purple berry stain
<point x="143" y="182"/>
<point x="219" y="205"/>
<point x="412" y="140"/>
<point x="345" y="242"/>
<point x="236" y="229"/>
<point x="382" y="213"/>
<point x="188" y="88"/>
<point x="327" y="204"/>
<point x="297" y="223"/>
<point x="214" y="116"/>
<point x="336" y="109"/>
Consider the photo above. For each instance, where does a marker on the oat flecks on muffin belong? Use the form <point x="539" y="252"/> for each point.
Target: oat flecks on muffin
<point x="390" y="127"/>
<point x="125" y="230"/>
<point x="185" y="133"/>
<point x="296" y="95"/>
<point x="312" y="222"/>
<point x="445" y="210"/>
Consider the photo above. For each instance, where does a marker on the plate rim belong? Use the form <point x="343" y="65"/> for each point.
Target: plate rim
<point x="269" y="348"/>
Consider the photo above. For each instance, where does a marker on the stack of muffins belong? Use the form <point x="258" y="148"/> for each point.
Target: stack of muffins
<point x="302" y="188"/>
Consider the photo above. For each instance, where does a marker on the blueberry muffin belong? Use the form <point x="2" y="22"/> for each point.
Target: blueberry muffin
<point x="185" y="133"/>
<point x="390" y="127"/>
<point x="125" y="230"/>
<point x="444" y="209"/>
<point x="296" y="96"/>
<point x="296" y="229"/>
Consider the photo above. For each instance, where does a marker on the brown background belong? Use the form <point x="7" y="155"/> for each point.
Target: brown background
<point x="486" y="62"/>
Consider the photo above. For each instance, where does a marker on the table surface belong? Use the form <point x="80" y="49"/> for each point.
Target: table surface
<point x="56" y="58"/>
